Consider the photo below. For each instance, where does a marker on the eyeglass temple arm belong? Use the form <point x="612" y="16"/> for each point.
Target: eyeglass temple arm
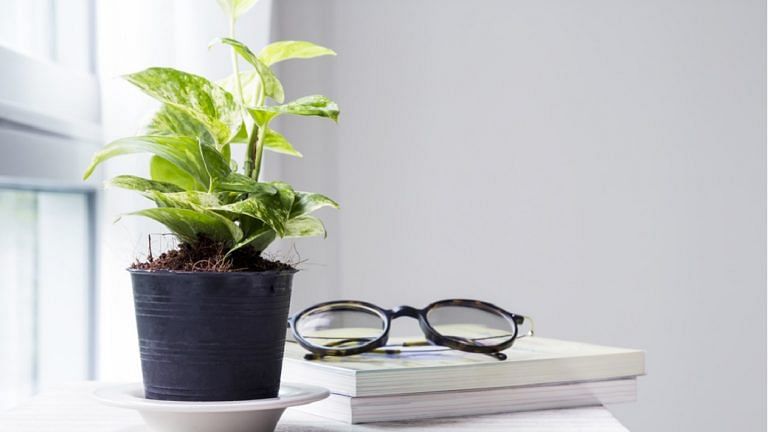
<point x="521" y="320"/>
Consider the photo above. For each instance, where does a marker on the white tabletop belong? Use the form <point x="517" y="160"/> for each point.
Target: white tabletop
<point x="71" y="409"/>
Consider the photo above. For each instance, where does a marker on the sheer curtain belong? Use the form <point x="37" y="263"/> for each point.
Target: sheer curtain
<point x="132" y="36"/>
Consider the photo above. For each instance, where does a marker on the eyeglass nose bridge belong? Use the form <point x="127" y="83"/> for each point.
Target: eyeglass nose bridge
<point x="406" y="311"/>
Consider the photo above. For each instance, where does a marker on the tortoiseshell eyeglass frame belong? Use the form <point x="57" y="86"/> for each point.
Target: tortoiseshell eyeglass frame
<point x="432" y="335"/>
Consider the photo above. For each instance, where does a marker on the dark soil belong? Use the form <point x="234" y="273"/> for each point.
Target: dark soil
<point x="208" y="256"/>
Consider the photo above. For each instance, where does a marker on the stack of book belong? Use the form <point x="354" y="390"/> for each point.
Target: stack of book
<point x="539" y="373"/>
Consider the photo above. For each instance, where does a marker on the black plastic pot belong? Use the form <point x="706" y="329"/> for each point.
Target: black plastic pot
<point x="211" y="336"/>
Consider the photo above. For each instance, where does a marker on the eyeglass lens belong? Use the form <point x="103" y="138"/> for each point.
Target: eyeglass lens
<point x="471" y="326"/>
<point x="341" y="326"/>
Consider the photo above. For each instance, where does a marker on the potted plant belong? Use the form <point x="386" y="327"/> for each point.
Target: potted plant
<point x="211" y="314"/>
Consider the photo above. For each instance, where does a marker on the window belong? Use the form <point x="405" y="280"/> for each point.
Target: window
<point x="49" y="126"/>
<point x="46" y="289"/>
<point x="50" y="30"/>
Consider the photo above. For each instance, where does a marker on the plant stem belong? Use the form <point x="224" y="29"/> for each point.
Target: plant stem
<point x="255" y="148"/>
<point x="249" y="151"/>
<point x="248" y="165"/>
<point x="259" y="142"/>
<point x="236" y="66"/>
<point x="259" y="150"/>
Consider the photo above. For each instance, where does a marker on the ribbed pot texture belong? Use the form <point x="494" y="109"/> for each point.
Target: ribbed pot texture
<point x="211" y="336"/>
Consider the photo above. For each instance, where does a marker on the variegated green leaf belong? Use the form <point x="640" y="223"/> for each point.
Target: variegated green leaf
<point x="304" y="226"/>
<point x="273" y="209"/>
<point x="286" y="195"/>
<point x="277" y="143"/>
<point x="258" y="240"/>
<point x="164" y="171"/>
<point x="142" y="185"/>
<point x="285" y="50"/>
<point x="172" y="121"/>
<point x="191" y="200"/>
<point x="183" y="152"/>
<point x="188" y="225"/>
<point x="262" y="208"/>
<point x="215" y="165"/>
<point x="319" y="106"/>
<point x="272" y="86"/>
<point x="235" y="182"/>
<point x="307" y="202"/>
<point x="208" y="103"/>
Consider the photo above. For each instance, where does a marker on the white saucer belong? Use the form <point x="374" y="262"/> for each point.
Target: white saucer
<point x="258" y="415"/>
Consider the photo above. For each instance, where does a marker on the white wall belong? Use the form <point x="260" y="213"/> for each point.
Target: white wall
<point x="597" y="164"/>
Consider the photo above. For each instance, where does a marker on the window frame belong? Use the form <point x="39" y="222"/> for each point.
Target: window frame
<point x="50" y="124"/>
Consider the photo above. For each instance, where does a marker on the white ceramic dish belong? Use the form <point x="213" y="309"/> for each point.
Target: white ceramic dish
<point x="259" y="415"/>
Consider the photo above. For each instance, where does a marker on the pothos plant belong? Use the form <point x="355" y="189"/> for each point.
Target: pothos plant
<point x="199" y="191"/>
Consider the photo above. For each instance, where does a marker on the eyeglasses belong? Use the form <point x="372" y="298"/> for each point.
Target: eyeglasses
<point x="347" y="327"/>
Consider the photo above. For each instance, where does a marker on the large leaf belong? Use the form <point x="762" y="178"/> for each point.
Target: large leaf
<point x="304" y="226"/>
<point x="208" y="103"/>
<point x="307" y="202"/>
<point x="169" y="120"/>
<point x="201" y="162"/>
<point x="236" y="8"/>
<point x="272" y="86"/>
<point x="142" y="185"/>
<point x="183" y="152"/>
<point x="189" y="225"/>
<point x="285" y="50"/>
<point x="316" y="105"/>
<point x="163" y="171"/>
<point x="276" y="142"/>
